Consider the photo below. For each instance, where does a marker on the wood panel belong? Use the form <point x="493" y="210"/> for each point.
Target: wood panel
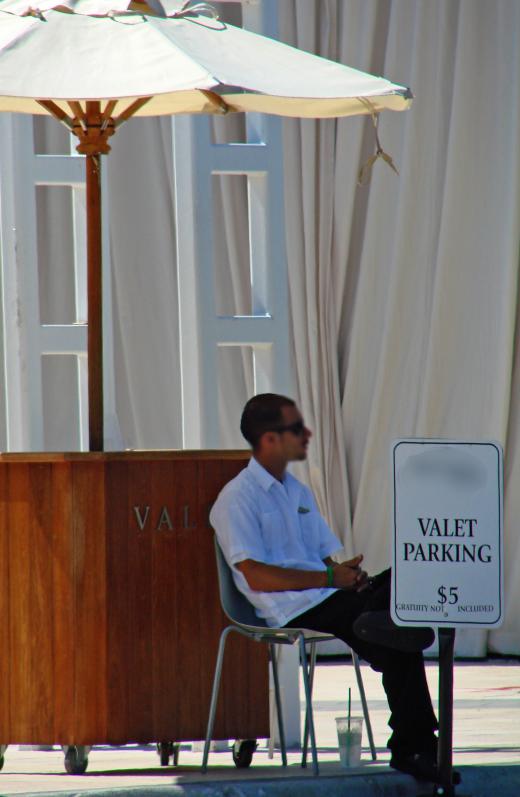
<point x="166" y="658"/>
<point x="176" y="629"/>
<point x="41" y="688"/>
<point x="29" y="531"/>
<point x="20" y="622"/>
<point x="90" y="601"/>
<point x="207" y="616"/>
<point x="120" y="587"/>
<point x="111" y="618"/>
<point x="140" y="626"/>
<point x="62" y="605"/>
<point x="5" y="622"/>
<point x="31" y="680"/>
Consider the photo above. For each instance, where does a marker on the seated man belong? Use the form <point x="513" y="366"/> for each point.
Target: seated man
<point x="279" y="548"/>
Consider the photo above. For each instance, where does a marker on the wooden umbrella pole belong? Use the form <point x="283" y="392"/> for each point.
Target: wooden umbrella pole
<point x="93" y="129"/>
<point x="95" y="303"/>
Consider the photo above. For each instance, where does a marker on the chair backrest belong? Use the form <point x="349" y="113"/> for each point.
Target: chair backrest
<point x="235" y="605"/>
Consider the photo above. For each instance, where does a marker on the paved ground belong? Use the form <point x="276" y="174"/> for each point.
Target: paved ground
<point x="486" y="740"/>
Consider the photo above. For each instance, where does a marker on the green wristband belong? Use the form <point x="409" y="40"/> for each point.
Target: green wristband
<point x="330" y="576"/>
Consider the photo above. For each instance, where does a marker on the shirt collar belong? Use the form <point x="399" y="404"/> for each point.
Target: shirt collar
<point x="261" y="475"/>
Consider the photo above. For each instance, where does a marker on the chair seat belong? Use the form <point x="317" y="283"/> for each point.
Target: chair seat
<point x="285" y="634"/>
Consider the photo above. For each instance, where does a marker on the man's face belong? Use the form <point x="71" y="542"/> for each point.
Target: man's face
<point x="293" y="438"/>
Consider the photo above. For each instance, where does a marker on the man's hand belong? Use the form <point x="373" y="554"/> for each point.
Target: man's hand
<point x="349" y="575"/>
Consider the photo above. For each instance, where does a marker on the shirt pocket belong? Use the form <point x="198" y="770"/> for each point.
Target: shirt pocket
<point x="273" y="530"/>
<point x="310" y="529"/>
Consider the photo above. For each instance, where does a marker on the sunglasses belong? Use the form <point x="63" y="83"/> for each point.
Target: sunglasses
<point x="297" y="428"/>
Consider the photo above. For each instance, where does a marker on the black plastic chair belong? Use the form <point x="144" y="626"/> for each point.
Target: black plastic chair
<point x="244" y="621"/>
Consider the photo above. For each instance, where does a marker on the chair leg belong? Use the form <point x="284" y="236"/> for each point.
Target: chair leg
<point x="278" y="700"/>
<point x="273" y="719"/>
<point x="361" y="687"/>
<point x="311" y="685"/>
<point x="308" y="700"/>
<point x="214" y="695"/>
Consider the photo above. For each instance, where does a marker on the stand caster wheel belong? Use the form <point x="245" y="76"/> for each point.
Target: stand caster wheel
<point x="76" y="760"/>
<point x="243" y="750"/>
<point x="167" y="750"/>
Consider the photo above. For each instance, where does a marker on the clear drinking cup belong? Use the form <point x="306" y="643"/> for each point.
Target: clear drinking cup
<point x="349" y="740"/>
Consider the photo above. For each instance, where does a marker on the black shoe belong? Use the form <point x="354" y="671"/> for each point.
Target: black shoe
<point x="379" y="628"/>
<point x="422" y="766"/>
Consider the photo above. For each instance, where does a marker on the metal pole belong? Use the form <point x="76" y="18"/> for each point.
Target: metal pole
<point x="94" y="310"/>
<point x="445" y="754"/>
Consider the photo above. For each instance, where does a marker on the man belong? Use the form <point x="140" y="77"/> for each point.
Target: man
<point x="279" y="548"/>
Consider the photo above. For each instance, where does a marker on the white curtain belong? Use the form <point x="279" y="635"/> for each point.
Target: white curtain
<point x="146" y="336"/>
<point x="403" y="292"/>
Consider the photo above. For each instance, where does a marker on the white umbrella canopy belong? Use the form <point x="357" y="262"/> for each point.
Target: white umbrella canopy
<point x="93" y="64"/>
<point x="110" y="50"/>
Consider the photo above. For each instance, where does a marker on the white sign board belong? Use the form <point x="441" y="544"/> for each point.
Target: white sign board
<point x="447" y="517"/>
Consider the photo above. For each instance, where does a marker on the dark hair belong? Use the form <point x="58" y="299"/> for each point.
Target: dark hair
<point x="261" y="414"/>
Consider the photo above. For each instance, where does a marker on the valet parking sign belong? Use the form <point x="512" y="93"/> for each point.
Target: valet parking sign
<point x="448" y="553"/>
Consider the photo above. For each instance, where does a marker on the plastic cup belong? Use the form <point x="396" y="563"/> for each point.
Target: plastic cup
<point x="349" y="740"/>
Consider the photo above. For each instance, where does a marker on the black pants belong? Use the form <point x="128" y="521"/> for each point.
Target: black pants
<point x="412" y="717"/>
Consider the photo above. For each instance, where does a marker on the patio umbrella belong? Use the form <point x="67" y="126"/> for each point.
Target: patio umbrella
<point x="93" y="64"/>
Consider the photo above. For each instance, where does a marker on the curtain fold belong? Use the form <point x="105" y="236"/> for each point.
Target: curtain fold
<point x="146" y="333"/>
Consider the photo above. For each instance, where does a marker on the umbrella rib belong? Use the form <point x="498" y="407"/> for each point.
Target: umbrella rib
<point x="109" y="109"/>
<point x="131" y="110"/>
<point x="77" y="110"/>
<point x="216" y="101"/>
<point x="57" y="112"/>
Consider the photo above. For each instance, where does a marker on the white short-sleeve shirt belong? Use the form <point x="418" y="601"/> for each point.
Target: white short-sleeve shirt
<point x="258" y="517"/>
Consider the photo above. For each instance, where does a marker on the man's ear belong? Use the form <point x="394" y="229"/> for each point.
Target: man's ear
<point x="267" y="440"/>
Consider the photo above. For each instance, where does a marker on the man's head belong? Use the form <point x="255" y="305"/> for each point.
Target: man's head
<point x="274" y="427"/>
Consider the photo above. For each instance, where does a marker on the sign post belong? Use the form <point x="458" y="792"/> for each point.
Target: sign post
<point x="447" y="553"/>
